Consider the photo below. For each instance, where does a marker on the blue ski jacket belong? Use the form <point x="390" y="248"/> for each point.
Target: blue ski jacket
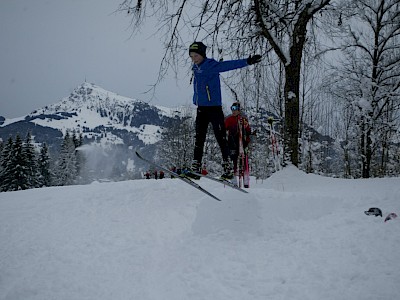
<point x="206" y="83"/>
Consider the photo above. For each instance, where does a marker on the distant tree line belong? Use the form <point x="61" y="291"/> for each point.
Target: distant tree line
<point x="321" y="154"/>
<point x="22" y="166"/>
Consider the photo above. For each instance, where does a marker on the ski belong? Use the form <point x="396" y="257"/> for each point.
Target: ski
<point x="222" y="181"/>
<point x="181" y="177"/>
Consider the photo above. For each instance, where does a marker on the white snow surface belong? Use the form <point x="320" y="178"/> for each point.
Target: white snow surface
<point x="294" y="236"/>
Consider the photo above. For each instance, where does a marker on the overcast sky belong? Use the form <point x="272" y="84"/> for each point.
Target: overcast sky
<point x="49" y="47"/>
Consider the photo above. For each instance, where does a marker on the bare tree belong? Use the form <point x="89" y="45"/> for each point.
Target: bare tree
<point x="238" y="28"/>
<point x="369" y="76"/>
<point x="176" y="147"/>
<point x="291" y="19"/>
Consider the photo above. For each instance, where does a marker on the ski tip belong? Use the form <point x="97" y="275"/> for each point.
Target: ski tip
<point x="214" y="197"/>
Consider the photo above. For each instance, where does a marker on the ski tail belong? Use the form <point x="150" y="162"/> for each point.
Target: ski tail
<point x="246" y="172"/>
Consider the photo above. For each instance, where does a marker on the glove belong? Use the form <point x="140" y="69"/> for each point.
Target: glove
<point x="253" y="59"/>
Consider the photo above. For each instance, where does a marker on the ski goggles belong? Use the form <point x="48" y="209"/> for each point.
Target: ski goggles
<point x="235" y="107"/>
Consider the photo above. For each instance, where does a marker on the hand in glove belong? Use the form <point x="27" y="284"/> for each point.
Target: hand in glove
<point x="253" y="59"/>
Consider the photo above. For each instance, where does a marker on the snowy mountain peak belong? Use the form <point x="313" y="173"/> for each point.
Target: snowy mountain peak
<point x="89" y="96"/>
<point x="88" y="91"/>
<point x="99" y="115"/>
<point x="89" y="107"/>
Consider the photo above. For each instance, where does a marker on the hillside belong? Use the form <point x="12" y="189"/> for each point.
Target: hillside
<point x="113" y="125"/>
<point x="294" y="236"/>
<point x="98" y="114"/>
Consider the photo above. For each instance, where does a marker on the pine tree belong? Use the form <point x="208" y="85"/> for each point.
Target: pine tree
<point x="2" y="145"/>
<point x="44" y="167"/>
<point x="14" y="177"/>
<point x="80" y="160"/>
<point x="67" y="165"/>
<point x="5" y="173"/>
<point x="30" y="162"/>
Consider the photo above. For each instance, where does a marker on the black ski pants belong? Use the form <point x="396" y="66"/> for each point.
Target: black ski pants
<point x="215" y="116"/>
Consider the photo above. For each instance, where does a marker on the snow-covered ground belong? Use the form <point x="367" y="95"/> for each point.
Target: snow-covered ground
<point x="294" y="236"/>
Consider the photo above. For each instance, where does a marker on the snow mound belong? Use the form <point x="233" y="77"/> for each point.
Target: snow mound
<point x="295" y="236"/>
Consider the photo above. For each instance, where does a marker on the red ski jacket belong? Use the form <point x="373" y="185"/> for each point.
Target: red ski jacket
<point x="232" y="127"/>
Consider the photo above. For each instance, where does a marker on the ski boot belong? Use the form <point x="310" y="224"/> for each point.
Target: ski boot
<point x="190" y="172"/>
<point x="228" y="173"/>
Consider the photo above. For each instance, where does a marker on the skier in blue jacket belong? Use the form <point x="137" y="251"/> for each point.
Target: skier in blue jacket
<point x="207" y="97"/>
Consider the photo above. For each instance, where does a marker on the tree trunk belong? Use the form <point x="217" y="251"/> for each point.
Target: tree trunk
<point x="292" y="88"/>
<point x="366" y="151"/>
<point x="292" y="115"/>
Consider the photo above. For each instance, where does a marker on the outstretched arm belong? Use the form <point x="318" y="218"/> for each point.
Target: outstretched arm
<point x="228" y="65"/>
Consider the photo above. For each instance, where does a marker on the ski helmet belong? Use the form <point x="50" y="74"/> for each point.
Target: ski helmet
<point x="235" y="106"/>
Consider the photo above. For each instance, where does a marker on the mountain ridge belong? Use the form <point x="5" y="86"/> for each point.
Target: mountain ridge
<point x="89" y="106"/>
<point x="116" y="123"/>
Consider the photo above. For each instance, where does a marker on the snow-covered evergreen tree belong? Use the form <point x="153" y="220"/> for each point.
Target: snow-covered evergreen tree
<point x="44" y="166"/>
<point x="15" y="172"/>
<point x="66" y="170"/>
<point x="80" y="158"/>
<point x="30" y="159"/>
<point x="5" y="170"/>
<point x="2" y="144"/>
